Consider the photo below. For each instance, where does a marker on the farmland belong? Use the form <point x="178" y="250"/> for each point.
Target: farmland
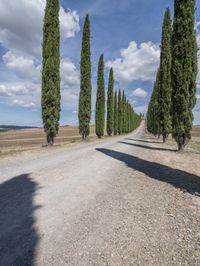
<point x="25" y="139"/>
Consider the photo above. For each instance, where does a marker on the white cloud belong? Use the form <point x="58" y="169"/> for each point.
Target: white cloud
<point x="69" y="74"/>
<point x="136" y="62"/>
<point x="69" y="23"/>
<point x="11" y="89"/>
<point x="21" y="35"/>
<point x="141" y="109"/>
<point x="22" y="65"/>
<point x="139" y="93"/>
<point x="23" y="104"/>
<point x="21" y="23"/>
<point x="70" y="84"/>
<point x="24" y="94"/>
<point x="198" y="96"/>
<point x="26" y="91"/>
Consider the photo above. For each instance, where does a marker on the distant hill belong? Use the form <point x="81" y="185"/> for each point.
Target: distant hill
<point x="13" y="127"/>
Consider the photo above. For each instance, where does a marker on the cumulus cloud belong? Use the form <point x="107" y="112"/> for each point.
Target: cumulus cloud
<point x="141" y="109"/>
<point x="70" y="84"/>
<point x="69" y="23"/>
<point x="22" y="65"/>
<point x="24" y="94"/>
<point x="136" y="62"/>
<point x="139" y="93"/>
<point x="21" y="23"/>
<point x="21" y="35"/>
<point x="70" y="75"/>
<point x="23" y="104"/>
<point x="27" y="92"/>
<point x="12" y="89"/>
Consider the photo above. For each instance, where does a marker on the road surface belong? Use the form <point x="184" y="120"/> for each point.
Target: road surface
<point x="113" y="202"/>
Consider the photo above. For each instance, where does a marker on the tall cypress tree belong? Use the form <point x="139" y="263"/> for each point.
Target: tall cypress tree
<point x="165" y="93"/>
<point x="51" y="71"/>
<point x="129" y="118"/>
<point x="120" y="117"/>
<point x="115" y="114"/>
<point x="123" y="112"/>
<point x="100" y="101"/>
<point x="110" y="104"/>
<point x="184" y="71"/>
<point x="127" y="127"/>
<point x="86" y="86"/>
<point x="153" y="119"/>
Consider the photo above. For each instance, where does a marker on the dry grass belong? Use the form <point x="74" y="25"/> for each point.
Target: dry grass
<point x="194" y="144"/>
<point x="15" y="141"/>
<point x="196" y="132"/>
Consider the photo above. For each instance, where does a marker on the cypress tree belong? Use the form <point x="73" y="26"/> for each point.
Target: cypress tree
<point x="100" y="100"/>
<point x="184" y="71"/>
<point x="115" y="114"/>
<point x="110" y="104"/>
<point x="129" y="118"/>
<point x="123" y="112"/>
<point x="120" y="121"/>
<point x="126" y="118"/>
<point x="153" y="119"/>
<point x="165" y="78"/>
<point x="51" y="71"/>
<point x="86" y="86"/>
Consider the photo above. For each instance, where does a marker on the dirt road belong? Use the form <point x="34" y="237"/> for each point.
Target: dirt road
<point x="127" y="200"/>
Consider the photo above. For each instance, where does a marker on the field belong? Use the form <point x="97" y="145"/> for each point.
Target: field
<point x="196" y="132"/>
<point x="194" y="143"/>
<point x="25" y="139"/>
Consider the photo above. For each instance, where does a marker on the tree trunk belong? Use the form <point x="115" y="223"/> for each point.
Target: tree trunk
<point x="180" y="147"/>
<point x="182" y="143"/>
<point x="50" y="139"/>
<point x="83" y="136"/>
<point x="164" y="138"/>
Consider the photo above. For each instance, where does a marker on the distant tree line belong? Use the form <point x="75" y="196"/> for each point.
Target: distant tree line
<point x="174" y="92"/>
<point x="121" y="117"/>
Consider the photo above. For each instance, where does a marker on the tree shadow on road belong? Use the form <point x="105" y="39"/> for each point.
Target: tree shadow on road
<point x="18" y="236"/>
<point x="143" y="140"/>
<point x="147" y="147"/>
<point x="180" y="179"/>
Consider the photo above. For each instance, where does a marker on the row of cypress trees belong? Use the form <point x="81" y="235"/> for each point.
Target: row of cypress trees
<point x="125" y="119"/>
<point x="174" y="93"/>
<point x="51" y="97"/>
<point x="121" y="117"/>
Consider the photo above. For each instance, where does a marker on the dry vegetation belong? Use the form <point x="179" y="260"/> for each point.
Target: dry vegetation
<point x="19" y="140"/>
<point x="27" y="139"/>
<point x="194" y="144"/>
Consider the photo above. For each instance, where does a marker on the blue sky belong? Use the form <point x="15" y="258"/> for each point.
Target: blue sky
<point x="127" y="32"/>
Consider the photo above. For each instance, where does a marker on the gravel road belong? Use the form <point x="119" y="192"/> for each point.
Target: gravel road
<point x="127" y="200"/>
